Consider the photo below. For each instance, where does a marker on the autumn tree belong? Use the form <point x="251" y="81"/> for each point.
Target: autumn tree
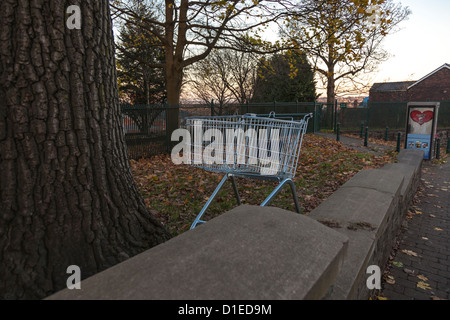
<point x="343" y="38"/>
<point x="286" y="77"/>
<point x="67" y="195"/>
<point x="192" y="29"/>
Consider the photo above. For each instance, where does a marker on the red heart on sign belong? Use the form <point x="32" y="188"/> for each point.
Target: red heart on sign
<point x="422" y="118"/>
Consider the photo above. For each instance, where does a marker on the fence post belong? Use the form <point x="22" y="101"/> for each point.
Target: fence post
<point x="399" y="141"/>
<point x="362" y="129"/>
<point x="318" y="116"/>
<point x="335" y="115"/>
<point x="448" y="144"/>
<point x="338" y="132"/>
<point x="386" y="136"/>
<point x="366" y="137"/>
<point x="314" y="117"/>
<point x="438" y="148"/>
<point x="166" y="109"/>
<point x="212" y="108"/>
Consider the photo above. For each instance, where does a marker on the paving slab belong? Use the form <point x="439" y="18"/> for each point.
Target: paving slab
<point x="248" y="253"/>
<point x="420" y="268"/>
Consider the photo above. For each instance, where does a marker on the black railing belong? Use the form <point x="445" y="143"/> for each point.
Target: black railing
<point x="146" y="126"/>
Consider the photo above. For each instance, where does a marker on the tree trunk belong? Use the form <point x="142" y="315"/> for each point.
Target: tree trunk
<point x="67" y="194"/>
<point x="331" y="94"/>
<point x="174" y="78"/>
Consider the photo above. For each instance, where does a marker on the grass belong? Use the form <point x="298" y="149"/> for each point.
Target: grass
<point x="176" y="194"/>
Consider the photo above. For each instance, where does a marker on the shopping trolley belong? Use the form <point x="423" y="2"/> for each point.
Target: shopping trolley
<point x="264" y="147"/>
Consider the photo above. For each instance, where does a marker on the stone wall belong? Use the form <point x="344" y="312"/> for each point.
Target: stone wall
<point x="369" y="210"/>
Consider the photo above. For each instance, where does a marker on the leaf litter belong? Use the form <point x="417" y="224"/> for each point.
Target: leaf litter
<point x="175" y="194"/>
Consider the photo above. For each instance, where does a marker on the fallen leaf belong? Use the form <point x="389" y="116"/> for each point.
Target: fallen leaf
<point x="423" y="285"/>
<point x="390" y="280"/>
<point x="422" y="277"/>
<point x="432" y="215"/>
<point x="410" y="272"/>
<point x="436" y="298"/>
<point x="438" y="229"/>
<point x="410" y="253"/>
<point x="425" y="238"/>
<point x="398" y="264"/>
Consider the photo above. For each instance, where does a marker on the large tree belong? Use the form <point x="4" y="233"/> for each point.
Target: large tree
<point x="286" y="77"/>
<point x="67" y="194"/>
<point x="343" y="38"/>
<point x="225" y="76"/>
<point x="192" y="29"/>
<point x="137" y="50"/>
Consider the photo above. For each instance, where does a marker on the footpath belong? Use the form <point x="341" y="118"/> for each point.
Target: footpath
<point x="420" y="265"/>
<point x="358" y="144"/>
<point x="419" y="268"/>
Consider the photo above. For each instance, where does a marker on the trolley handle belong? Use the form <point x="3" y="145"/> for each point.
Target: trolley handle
<point x="273" y="115"/>
<point x="254" y="115"/>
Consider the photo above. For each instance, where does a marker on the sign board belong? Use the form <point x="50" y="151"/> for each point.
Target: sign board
<point x="421" y="127"/>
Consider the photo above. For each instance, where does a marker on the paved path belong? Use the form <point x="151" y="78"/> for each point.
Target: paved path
<point x="420" y="269"/>
<point x="358" y="144"/>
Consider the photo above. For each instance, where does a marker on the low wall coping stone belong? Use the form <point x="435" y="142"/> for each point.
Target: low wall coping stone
<point x="248" y="253"/>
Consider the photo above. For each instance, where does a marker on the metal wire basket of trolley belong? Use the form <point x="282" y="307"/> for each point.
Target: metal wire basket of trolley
<point x="264" y="147"/>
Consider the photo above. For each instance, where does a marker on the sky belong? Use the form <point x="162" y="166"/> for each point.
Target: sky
<point x="422" y="44"/>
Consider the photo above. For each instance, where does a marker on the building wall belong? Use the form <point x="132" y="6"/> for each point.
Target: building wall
<point x="433" y="88"/>
<point x="383" y="96"/>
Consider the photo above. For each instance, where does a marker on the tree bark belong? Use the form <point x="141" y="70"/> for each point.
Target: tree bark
<point x="331" y="87"/>
<point x="174" y="78"/>
<point x="67" y="193"/>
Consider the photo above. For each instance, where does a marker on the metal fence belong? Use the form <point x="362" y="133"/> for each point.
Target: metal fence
<point x="145" y="126"/>
<point x="146" y="133"/>
<point x="380" y="115"/>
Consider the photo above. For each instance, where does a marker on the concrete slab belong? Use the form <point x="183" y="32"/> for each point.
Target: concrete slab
<point x="364" y="208"/>
<point x="352" y="205"/>
<point x="411" y="156"/>
<point x="408" y="171"/>
<point x="379" y="180"/>
<point x="353" y="272"/>
<point x="249" y="253"/>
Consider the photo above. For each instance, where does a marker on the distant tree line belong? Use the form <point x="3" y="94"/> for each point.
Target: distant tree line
<point x="225" y="76"/>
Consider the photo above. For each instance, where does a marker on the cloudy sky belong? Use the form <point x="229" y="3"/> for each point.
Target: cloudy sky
<point x="422" y="45"/>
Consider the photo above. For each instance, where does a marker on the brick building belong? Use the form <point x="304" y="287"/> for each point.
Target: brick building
<point x="433" y="87"/>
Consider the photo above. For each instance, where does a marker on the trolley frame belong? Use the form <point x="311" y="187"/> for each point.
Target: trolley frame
<point x="279" y="135"/>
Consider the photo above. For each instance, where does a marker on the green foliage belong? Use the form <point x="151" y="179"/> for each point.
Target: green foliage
<point x="285" y="77"/>
<point x="138" y="51"/>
